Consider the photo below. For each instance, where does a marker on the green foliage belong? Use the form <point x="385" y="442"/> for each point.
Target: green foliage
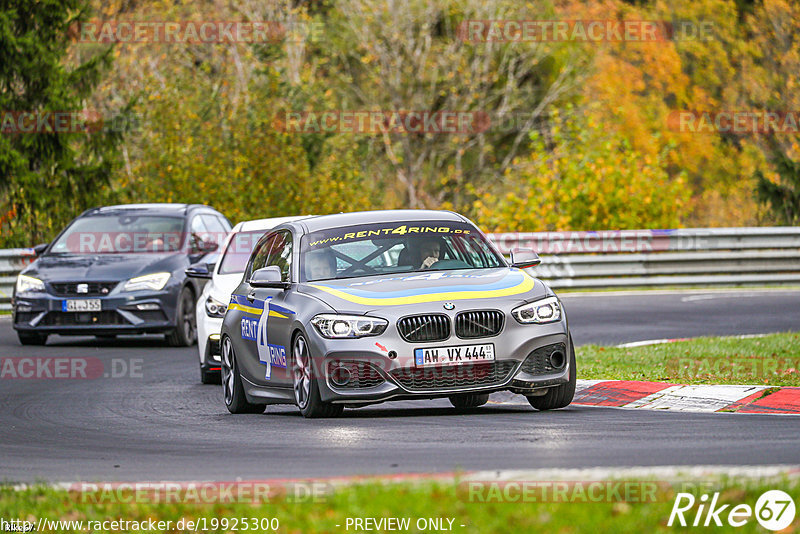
<point x="783" y="195"/>
<point x="46" y="178"/>
<point x="580" y="175"/>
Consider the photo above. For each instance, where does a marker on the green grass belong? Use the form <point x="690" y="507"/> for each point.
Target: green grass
<point x="772" y="360"/>
<point x="412" y="500"/>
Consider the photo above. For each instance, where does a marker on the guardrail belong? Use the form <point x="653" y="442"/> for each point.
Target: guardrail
<point x="617" y="258"/>
<point x="12" y="261"/>
<point x="685" y="257"/>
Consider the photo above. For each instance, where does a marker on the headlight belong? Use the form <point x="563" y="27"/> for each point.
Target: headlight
<point x="215" y="308"/>
<point x="29" y="284"/>
<point x="542" y="311"/>
<point x="153" y="282"/>
<point x="344" y="326"/>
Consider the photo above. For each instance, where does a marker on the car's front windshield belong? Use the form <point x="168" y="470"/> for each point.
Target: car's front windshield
<point x="238" y="251"/>
<point x="387" y="248"/>
<point x="121" y="234"/>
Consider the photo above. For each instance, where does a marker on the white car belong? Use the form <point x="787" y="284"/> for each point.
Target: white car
<point x="224" y="276"/>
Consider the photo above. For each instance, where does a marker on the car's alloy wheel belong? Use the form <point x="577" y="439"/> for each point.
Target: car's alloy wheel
<point x="232" y="388"/>
<point x="185" y="332"/>
<point x="227" y="371"/>
<point x="306" y="389"/>
<point x="302" y="372"/>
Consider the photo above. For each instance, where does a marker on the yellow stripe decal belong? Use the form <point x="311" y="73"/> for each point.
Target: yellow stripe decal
<point x="273" y="313"/>
<point x="246" y="309"/>
<point x="524" y="286"/>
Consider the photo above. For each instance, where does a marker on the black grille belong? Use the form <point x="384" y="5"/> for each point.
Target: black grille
<point x="150" y="316"/>
<point x="454" y="377"/>
<point x="101" y="318"/>
<point x="474" y="324"/>
<point x="538" y="361"/>
<point x="424" y="328"/>
<point x="93" y="288"/>
<point x="362" y="374"/>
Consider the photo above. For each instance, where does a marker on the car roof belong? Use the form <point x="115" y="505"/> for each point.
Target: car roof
<point x="168" y="209"/>
<point x="324" y="222"/>
<point x="265" y="224"/>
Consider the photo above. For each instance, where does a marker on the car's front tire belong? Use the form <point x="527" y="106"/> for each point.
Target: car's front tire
<point x="232" y="388"/>
<point x="185" y="332"/>
<point x="469" y="400"/>
<point x="304" y="383"/>
<point x="27" y="338"/>
<point x="559" y="396"/>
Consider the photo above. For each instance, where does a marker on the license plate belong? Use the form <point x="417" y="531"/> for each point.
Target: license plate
<point x="458" y="355"/>
<point x="83" y="305"/>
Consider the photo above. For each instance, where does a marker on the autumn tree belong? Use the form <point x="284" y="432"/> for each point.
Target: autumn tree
<point x="48" y="176"/>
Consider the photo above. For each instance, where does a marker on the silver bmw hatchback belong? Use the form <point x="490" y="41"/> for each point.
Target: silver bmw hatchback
<point x="358" y="308"/>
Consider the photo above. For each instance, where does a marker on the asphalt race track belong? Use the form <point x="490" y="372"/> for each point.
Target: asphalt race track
<point x="157" y="422"/>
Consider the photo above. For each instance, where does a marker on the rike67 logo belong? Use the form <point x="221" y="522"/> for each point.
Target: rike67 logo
<point x="774" y="510"/>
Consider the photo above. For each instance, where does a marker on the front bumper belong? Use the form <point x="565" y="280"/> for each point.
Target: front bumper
<point x="122" y="313"/>
<point x="208" y="331"/>
<point x="382" y="367"/>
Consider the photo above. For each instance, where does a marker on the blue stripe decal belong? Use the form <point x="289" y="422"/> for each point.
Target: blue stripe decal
<point x="280" y="309"/>
<point x="242" y="300"/>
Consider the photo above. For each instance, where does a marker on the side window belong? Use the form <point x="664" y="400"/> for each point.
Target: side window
<point x="198" y="232"/>
<point x="216" y="231"/>
<point x="225" y="224"/>
<point x="281" y="254"/>
<point x="260" y="254"/>
<point x="197" y="225"/>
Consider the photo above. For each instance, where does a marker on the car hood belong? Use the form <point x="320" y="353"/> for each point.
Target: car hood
<point x="102" y="267"/>
<point x="419" y="290"/>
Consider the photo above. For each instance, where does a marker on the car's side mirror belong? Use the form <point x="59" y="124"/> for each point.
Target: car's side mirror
<point x="39" y="249"/>
<point x="268" y="277"/>
<point x="204" y="247"/>
<point x="200" y="270"/>
<point x="523" y="258"/>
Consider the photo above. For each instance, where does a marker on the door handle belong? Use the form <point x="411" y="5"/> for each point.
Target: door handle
<point x="251" y="296"/>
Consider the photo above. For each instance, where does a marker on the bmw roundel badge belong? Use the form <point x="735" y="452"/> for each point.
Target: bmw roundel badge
<point x="449" y="306"/>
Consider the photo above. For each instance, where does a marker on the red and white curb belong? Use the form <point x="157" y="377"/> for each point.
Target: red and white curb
<point x="688" y="398"/>
<point x="664" y="396"/>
